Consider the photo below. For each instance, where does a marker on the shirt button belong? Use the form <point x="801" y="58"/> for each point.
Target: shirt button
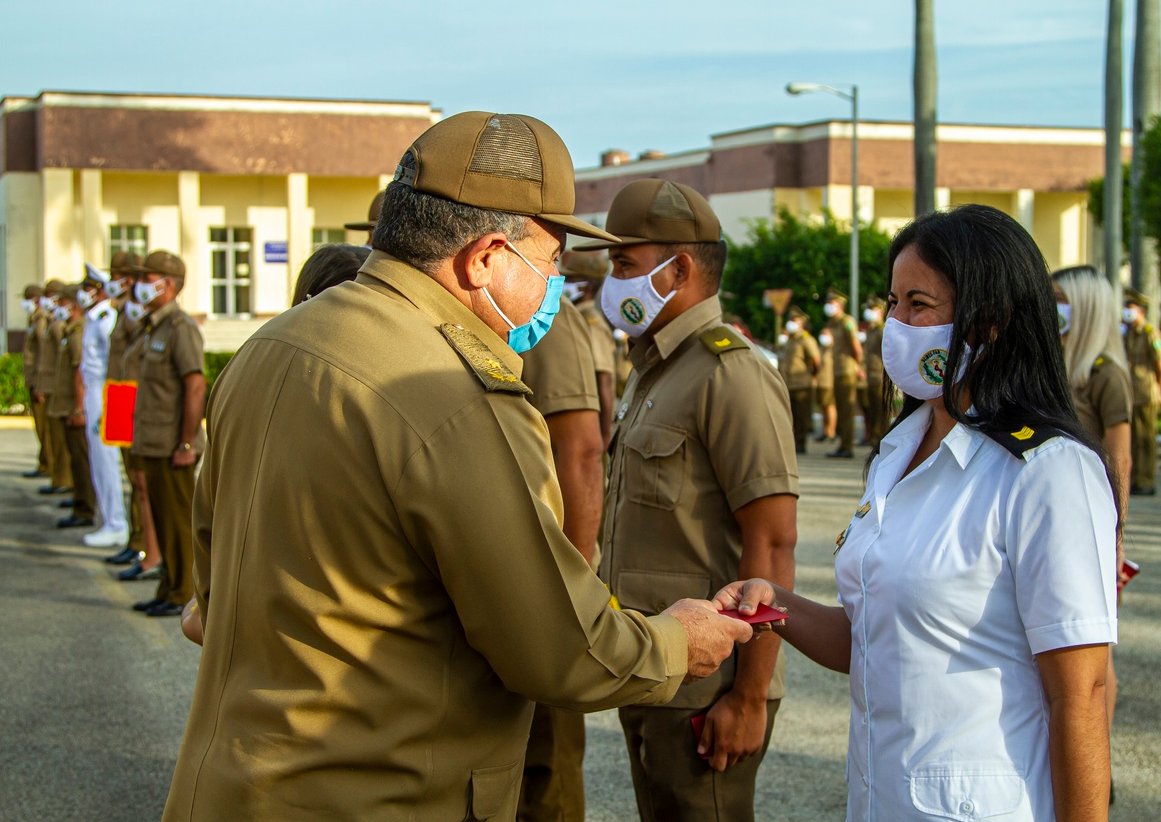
<point x="967" y="806"/>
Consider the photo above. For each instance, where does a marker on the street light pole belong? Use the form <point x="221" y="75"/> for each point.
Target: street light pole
<point x="853" y="97"/>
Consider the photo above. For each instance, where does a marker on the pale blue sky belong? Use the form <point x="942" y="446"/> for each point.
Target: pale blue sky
<point x="626" y="74"/>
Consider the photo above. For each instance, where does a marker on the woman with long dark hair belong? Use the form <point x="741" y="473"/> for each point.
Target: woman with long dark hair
<point x="976" y="579"/>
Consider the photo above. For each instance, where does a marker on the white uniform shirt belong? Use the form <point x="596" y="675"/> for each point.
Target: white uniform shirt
<point x="95" y="343"/>
<point x="953" y="578"/>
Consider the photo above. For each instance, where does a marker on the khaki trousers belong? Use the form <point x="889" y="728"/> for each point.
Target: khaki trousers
<point x="84" y="500"/>
<point x="800" y="411"/>
<point x="58" y="453"/>
<point x="1144" y="436"/>
<point x="40" y="423"/>
<point x="844" y="401"/>
<point x="673" y="783"/>
<point x="136" y="531"/>
<point x="171" y="500"/>
<point x="553" y="789"/>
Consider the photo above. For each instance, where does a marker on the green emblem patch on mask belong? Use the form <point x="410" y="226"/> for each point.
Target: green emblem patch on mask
<point x="632" y="310"/>
<point x="932" y="366"/>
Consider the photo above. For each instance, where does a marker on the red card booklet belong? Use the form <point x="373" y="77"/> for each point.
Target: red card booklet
<point x="763" y="614"/>
<point x="117" y="419"/>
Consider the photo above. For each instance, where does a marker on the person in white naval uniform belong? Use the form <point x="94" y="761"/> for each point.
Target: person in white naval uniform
<point x="104" y="460"/>
<point x="977" y="577"/>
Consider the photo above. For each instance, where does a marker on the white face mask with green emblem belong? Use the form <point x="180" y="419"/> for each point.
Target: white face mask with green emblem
<point x="915" y="357"/>
<point x="632" y="305"/>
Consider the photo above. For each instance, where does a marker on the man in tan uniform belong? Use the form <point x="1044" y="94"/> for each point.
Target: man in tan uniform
<point x="382" y="579"/>
<point x="563" y="379"/>
<point x="703" y="488"/>
<point x="67" y="407"/>
<point x="48" y="344"/>
<point x="874" y="417"/>
<point x="584" y="271"/>
<point x="167" y="423"/>
<point x="1143" y="350"/>
<point x="799" y="361"/>
<point x="37" y="320"/>
<point x="848" y="365"/>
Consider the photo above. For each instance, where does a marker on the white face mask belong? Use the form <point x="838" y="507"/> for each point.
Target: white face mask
<point x="145" y="293"/>
<point x="792" y="327"/>
<point x="85" y="299"/>
<point x="1129" y="315"/>
<point x="825" y="339"/>
<point x="28" y="305"/>
<point x="632" y="305"/>
<point x="61" y="314"/>
<point x="47" y="303"/>
<point x="574" y="291"/>
<point x="871" y="315"/>
<point x="1124" y="329"/>
<point x="115" y="288"/>
<point x="830" y="310"/>
<point x="783" y="339"/>
<point x="135" y="311"/>
<point x="915" y="357"/>
<point x="1064" y="317"/>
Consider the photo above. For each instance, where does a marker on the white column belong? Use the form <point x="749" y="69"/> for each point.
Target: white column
<point x="1023" y="202"/>
<point x="92" y="231"/>
<point x="942" y="198"/>
<point x="195" y="298"/>
<point x="60" y="251"/>
<point x="298" y="226"/>
<point x="866" y="205"/>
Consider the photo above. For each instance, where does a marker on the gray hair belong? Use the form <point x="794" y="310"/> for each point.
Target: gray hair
<point x="422" y="229"/>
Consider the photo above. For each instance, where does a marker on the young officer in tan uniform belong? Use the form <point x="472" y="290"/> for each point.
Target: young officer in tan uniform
<point x="848" y="365"/>
<point x="799" y="362"/>
<point x="167" y="423"/>
<point x="584" y="271"/>
<point x="562" y="376"/>
<point x="48" y="348"/>
<point x="703" y="488"/>
<point x="1143" y="350"/>
<point x="874" y="421"/>
<point x="381" y="575"/>
<point x="37" y="321"/>
<point x="66" y="407"/>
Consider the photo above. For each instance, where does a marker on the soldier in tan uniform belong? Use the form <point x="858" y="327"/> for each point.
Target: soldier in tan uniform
<point x="36" y="323"/>
<point x="703" y="487"/>
<point x="563" y="379"/>
<point x="799" y="361"/>
<point x="382" y="579"/>
<point x="848" y="366"/>
<point x="67" y="407"/>
<point x="48" y="343"/>
<point x="1143" y="349"/>
<point x="824" y="387"/>
<point x="874" y="423"/>
<point x="584" y="271"/>
<point x="167" y="422"/>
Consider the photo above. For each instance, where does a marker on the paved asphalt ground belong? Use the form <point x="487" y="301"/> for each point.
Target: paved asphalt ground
<point x="93" y="696"/>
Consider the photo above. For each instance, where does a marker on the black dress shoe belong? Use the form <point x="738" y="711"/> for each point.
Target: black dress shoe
<point x="66" y="503"/>
<point x="146" y="604"/>
<point x="52" y="489"/>
<point x="135" y="572"/>
<point x="75" y="522"/>
<point x="840" y="453"/>
<point x="34" y="473"/>
<point x="164" y="608"/>
<point x="125" y="556"/>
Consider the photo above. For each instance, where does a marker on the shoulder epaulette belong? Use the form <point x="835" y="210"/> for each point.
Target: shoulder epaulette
<point x="492" y="372"/>
<point x="722" y="339"/>
<point x="1024" y="439"/>
<point x="1098" y="362"/>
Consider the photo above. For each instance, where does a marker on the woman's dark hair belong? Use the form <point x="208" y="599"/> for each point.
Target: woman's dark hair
<point x="1005" y="307"/>
<point x="329" y="265"/>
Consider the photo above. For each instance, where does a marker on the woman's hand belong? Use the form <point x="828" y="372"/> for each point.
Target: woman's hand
<point x="745" y="595"/>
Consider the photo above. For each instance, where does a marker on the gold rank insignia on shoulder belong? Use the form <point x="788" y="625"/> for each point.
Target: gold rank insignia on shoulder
<point x="722" y="339"/>
<point x="492" y="372"/>
<point x="1023" y="434"/>
<point x="840" y="540"/>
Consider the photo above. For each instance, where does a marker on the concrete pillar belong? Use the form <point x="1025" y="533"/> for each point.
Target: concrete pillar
<point x="60" y="249"/>
<point x="298" y="226"/>
<point x="866" y="205"/>
<point x="942" y="198"/>
<point x="195" y="298"/>
<point x="92" y="230"/>
<point x="1023" y="201"/>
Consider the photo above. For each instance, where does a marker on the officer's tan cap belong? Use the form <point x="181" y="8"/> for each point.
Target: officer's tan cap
<point x="1135" y="297"/>
<point x="122" y="263"/>
<point x="162" y="262"/>
<point x="69" y="292"/>
<point x="372" y="215"/>
<point x="875" y="302"/>
<point x="502" y="162"/>
<point x="796" y="313"/>
<point x="833" y="294"/>
<point x="53" y="286"/>
<point x="32" y="291"/>
<point x="584" y="265"/>
<point x="659" y="211"/>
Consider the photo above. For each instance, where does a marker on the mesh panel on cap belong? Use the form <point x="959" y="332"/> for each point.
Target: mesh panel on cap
<point x="507" y="148"/>
<point x="669" y="204"/>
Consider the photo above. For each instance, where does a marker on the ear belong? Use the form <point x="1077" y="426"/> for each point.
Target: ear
<point x="683" y="270"/>
<point x="479" y="261"/>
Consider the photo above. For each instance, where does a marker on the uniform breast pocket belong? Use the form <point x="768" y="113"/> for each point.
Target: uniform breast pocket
<point x="655" y="465"/>
<point x="969" y="791"/>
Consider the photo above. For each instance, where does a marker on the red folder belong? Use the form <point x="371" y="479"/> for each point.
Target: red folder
<point x="117" y="419"/>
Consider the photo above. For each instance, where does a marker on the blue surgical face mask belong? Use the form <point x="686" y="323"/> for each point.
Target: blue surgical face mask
<point x="521" y="338"/>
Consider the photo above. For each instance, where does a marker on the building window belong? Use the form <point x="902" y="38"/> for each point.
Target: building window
<point x="132" y="239"/>
<point x="230" y="267"/>
<point x="326" y="236"/>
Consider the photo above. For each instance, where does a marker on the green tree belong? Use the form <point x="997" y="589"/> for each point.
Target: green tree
<point x="805" y="256"/>
<point x="1150" y="189"/>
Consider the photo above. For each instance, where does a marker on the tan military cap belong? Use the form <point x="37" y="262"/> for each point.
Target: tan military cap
<point x="835" y="294"/>
<point x="53" y="286"/>
<point x="372" y="215"/>
<point x="876" y="302"/>
<point x="796" y="313"/>
<point x="1135" y="297"/>
<point x="31" y="292"/>
<point x="162" y="262"/>
<point x="123" y="262"/>
<point x="584" y="265"/>
<point x="503" y="162"/>
<point x="659" y="211"/>
<point x="69" y="292"/>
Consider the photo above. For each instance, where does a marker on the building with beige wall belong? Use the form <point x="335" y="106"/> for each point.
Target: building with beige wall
<point x="1037" y="175"/>
<point x="241" y="188"/>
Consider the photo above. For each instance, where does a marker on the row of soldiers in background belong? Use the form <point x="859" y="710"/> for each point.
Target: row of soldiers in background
<point x="121" y="327"/>
<point x="1143" y="351"/>
<point x="841" y="373"/>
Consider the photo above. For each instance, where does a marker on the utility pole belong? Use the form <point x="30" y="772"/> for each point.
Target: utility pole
<point x="1113" y="124"/>
<point x="925" y="85"/>
<point x="1146" y="106"/>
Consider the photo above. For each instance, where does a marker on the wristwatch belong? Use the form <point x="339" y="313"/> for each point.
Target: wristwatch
<point x="185" y="446"/>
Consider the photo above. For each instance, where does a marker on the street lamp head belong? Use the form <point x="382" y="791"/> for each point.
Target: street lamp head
<point x="801" y="88"/>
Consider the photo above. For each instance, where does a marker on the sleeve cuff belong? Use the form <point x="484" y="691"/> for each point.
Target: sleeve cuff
<point x="1071" y="634"/>
<point x="669" y="633"/>
<point x="569" y="402"/>
<point x="762" y="487"/>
